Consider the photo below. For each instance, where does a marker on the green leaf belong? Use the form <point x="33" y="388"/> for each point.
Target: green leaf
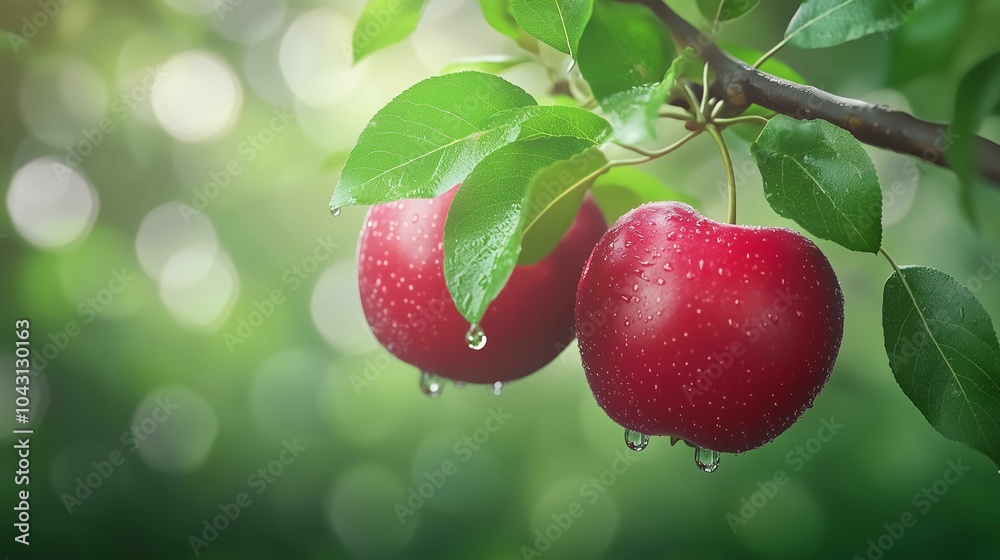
<point x="820" y="176"/>
<point x="725" y="9"/>
<point x="944" y="354"/>
<point x="429" y="138"/>
<point x="384" y="23"/>
<point x="492" y="65"/>
<point x="557" y="23"/>
<point x="825" y="23"/>
<point x="554" y="199"/>
<point x="978" y="97"/>
<point x="634" y="112"/>
<point x="498" y="16"/>
<point x="482" y="235"/>
<point x="556" y="120"/>
<point x="625" y="188"/>
<point x="929" y="41"/>
<point x="624" y="46"/>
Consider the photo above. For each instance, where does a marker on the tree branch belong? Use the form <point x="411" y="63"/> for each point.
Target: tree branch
<point x="741" y="85"/>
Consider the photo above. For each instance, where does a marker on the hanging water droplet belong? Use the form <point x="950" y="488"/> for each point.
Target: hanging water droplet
<point x="475" y="338"/>
<point x="430" y="384"/>
<point x="496" y="388"/>
<point x="459" y="384"/>
<point x="635" y="440"/>
<point x="674" y="440"/>
<point x="334" y="212"/>
<point x="706" y="459"/>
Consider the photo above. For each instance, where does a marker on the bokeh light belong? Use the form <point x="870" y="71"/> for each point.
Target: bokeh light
<point x="198" y="98"/>
<point x="51" y="204"/>
<point x="316" y="58"/>
<point x="173" y="429"/>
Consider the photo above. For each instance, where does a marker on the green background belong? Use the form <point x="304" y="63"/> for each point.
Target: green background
<point x="300" y="376"/>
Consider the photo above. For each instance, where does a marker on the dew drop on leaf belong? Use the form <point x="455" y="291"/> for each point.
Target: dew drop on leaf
<point x="475" y="338"/>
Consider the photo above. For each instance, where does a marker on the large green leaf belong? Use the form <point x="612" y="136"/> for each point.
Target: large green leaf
<point x="557" y="23"/>
<point x="384" y="23"/>
<point x="488" y="216"/>
<point x="624" y="46"/>
<point x="978" y="97"/>
<point x="553" y="201"/>
<point x="556" y="120"/>
<point x="725" y="10"/>
<point x="825" y="23"/>
<point x="625" y="188"/>
<point x="929" y="41"/>
<point x="634" y="112"/>
<point x="944" y="354"/>
<point x="497" y="14"/>
<point x="429" y="138"/>
<point x="820" y="176"/>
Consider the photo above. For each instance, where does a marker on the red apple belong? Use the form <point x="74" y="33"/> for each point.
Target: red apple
<point x="409" y="309"/>
<point x="718" y="334"/>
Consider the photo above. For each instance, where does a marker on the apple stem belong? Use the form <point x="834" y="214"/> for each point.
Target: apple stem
<point x="647" y="155"/>
<point x="704" y="91"/>
<point x="727" y="161"/>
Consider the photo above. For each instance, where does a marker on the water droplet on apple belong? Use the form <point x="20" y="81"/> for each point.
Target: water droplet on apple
<point x="496" y="388"/>
<point x="635" y="440"/>
<point x="475" y="338"/>
<point x="430" y="384"/>
<point x="334" y="212"/>
<point x="706" y="459"/>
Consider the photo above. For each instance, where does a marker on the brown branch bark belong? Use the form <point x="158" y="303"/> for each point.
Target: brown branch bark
<point x="741" y="85"/>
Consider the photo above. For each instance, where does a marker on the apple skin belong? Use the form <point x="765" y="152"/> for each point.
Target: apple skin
<point x="411" y="313"/>
<point x="718" y="334"/>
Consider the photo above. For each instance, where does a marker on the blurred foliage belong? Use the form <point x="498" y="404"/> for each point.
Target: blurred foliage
<point x="303" y="370"/>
